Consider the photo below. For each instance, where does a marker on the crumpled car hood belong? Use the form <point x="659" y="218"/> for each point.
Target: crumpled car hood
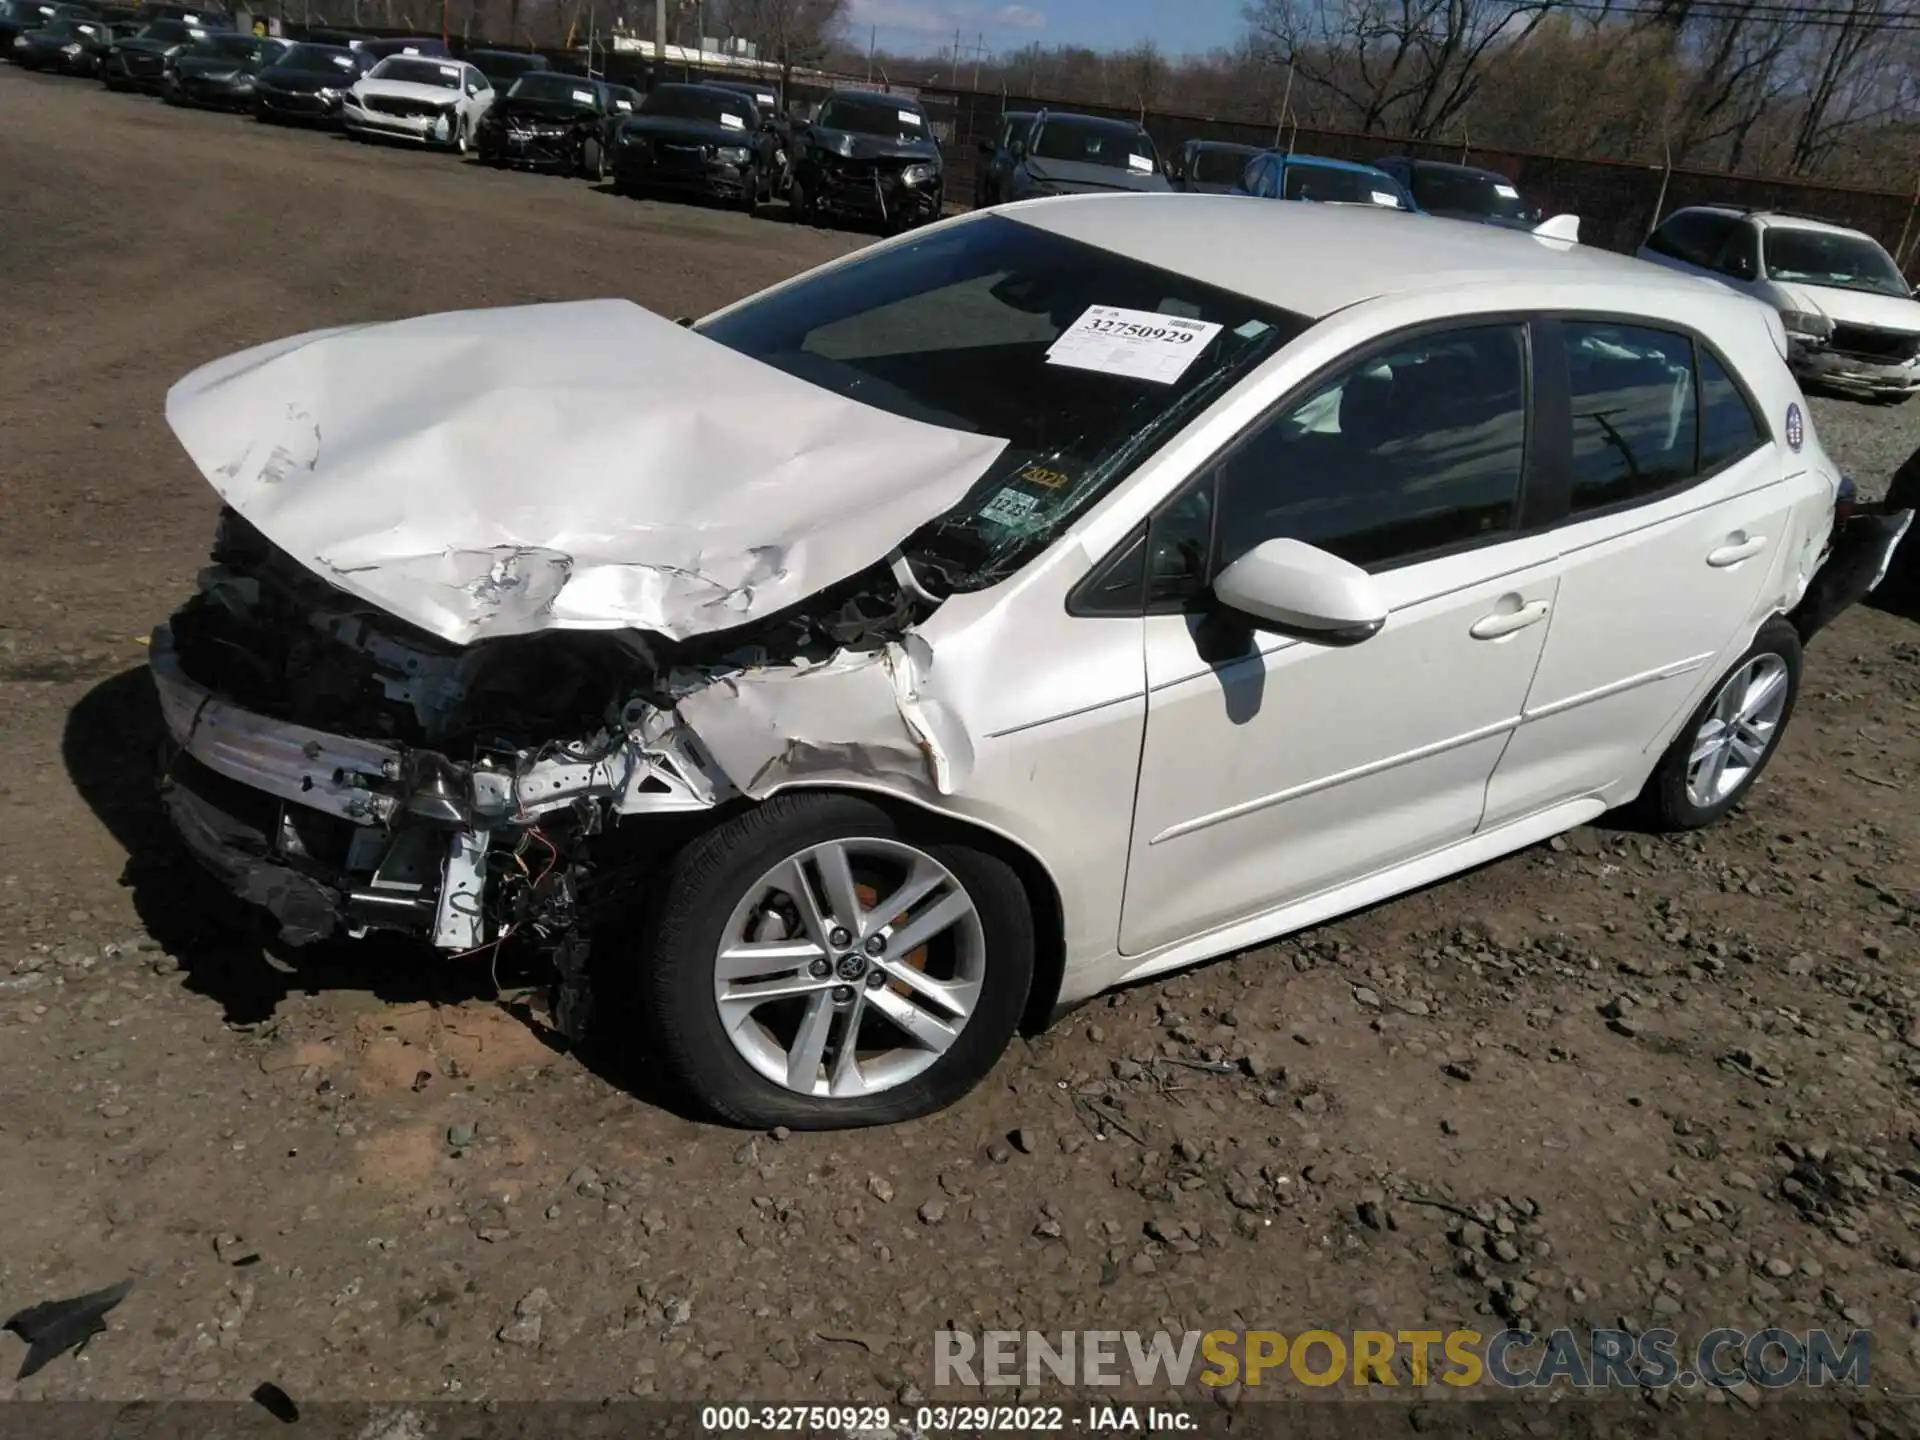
<point x="585" y="465"/>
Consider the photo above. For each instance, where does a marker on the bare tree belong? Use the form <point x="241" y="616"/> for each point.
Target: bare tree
<point x="1406" y="65"/>
<point x="788" y="32"/>
<point x="1851" y="82"/>
<point x="1143" y="71"/>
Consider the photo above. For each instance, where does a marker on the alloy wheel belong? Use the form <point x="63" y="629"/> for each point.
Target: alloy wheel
<point x="1740" y="728"/>
<point x="849" y="968"/>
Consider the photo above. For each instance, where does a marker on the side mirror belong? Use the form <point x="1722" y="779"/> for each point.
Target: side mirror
<point x="1292" y="588"/>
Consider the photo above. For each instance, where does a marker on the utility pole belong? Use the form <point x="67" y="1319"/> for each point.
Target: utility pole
<point x="659" y="40"/>
<point x="873" y="35"/>
<point x="979" y="49"/>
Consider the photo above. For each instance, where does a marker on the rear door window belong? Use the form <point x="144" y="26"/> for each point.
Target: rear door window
<point x="1729" y="430"/>
<point x="1634" y="421"/>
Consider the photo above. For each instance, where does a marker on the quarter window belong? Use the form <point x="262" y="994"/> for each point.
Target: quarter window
<point x="1417" y="449"/>
<point x="1695" y="236"/>
<point x="1633" y="412"/>
<point x="1728" y="429"/>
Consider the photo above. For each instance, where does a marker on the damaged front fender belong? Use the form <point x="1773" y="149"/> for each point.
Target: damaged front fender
<point x="871" y="716"/>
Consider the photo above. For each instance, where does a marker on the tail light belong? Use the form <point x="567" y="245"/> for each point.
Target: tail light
<point x="1844" y="501"/>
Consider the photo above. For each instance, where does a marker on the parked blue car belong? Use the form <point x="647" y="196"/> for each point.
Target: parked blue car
<point x="1276" y="176"/>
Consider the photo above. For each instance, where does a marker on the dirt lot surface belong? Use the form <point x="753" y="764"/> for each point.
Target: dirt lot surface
<point x="1613" y="1079"/>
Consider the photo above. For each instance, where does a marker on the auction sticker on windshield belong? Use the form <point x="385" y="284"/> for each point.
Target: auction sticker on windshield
<point x="1010" y="507"/>
<point x="1139" y="344"/>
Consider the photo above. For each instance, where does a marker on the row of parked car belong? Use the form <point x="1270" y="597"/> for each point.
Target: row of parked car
<point x="1848" y="317"/>
<point x="859" y="155"/>
<point x="1850" y="321"/>
<point x="1045" y="152"/>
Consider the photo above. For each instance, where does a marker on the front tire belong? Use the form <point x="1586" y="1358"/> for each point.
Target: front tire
<point x="822" y="961"/>
<point x="1728" y="741"/>
<point x="593" y="160"/>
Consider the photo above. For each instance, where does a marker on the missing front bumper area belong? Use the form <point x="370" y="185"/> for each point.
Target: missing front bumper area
<point x="318" y="876"/>
<point x="333" y="834"/>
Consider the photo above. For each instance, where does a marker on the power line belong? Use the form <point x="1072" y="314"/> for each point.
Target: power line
<point x="1815" y="16"/>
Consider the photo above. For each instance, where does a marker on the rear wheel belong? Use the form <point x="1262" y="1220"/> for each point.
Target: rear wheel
<point x="821" y="961"/>
<point x="1728" y="741"/>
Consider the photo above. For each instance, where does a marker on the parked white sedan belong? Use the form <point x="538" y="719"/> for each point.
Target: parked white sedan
<point x="1050" y="598"/>
<point x="420" y="98"/>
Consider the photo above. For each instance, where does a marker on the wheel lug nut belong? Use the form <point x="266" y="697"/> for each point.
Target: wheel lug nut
<point x="876" y="945"/>
<point x="842" y="994"/>
<point x="876" y="978"/>
<point x="840" y="937"/>
<point x="819" y="969"/>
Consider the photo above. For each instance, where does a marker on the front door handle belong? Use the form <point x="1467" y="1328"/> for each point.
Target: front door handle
<point x="1492" y="627"/>
<point x="1735" y="551"/>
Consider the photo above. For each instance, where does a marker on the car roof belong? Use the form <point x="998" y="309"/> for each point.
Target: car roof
<point x="1334" y="255"/>
<point x="1327" y="162"/>
<point x="1421" y="164"/>
<point x="879" y="97"/>
<point x="1132" y="127"/>
<point x="1773" y="219"/>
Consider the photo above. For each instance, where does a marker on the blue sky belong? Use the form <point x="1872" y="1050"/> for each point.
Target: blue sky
<point x="926" y="26"/>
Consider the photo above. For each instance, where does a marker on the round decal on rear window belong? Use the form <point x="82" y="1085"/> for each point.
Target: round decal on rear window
<point x="1796" y="429"/>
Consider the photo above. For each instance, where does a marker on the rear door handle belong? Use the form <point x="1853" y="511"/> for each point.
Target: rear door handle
<point x="1734" y="553"/>
<point x="1492" y="627"/>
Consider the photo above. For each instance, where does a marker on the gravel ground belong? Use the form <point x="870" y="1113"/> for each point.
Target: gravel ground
<point x="1614" y="1078"/>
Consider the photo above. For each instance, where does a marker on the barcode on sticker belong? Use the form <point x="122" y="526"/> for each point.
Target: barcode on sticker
<point x="1140" y="344"/>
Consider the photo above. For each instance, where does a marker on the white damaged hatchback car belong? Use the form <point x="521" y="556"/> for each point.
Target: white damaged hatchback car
<point x="1040" y="601"/>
